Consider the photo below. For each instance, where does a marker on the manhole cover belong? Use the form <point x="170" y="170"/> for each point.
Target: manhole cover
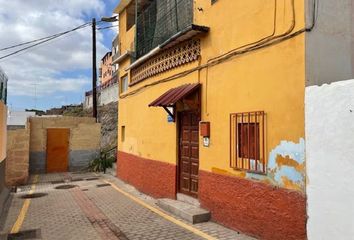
<point x="28" y="234"/>
<point x="91" y="179"/>
<point x="57" y="181"/>
<point x="66" y="186"/>
<point x="103" y="185"/>
<point x="34" y="195"/>
<point x="77" y="179"/>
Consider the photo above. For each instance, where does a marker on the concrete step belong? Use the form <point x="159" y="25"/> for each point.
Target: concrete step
<point x="187" y="199"/>
<point x="188" y="212"/>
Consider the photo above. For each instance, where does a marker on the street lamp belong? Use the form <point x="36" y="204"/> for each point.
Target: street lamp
<point x="109" y="19"/>
<point x="94" y="66"/>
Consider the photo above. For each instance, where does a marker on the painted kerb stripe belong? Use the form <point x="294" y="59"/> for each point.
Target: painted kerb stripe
<point x="162" y="214"/>
<point x="21" y="217"/>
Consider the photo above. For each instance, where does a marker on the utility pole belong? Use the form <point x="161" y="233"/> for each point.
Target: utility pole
<point x="94" y="67"/>
<point x="94" y="71"/>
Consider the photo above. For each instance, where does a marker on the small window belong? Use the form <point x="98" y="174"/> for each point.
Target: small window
<point x="247" y="141"/>
<point x="122" y="134"/>
<point x="124" y="84"/>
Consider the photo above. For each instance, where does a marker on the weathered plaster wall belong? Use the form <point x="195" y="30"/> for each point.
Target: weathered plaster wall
<point x="17" y="163"/>
<point x="108" y="95"/>
<point x="286" y="166"/>
<point x="160" y="182"/>
<point x="330" y="162"/>
<point x="88" y="102"/>
<point x="264" y="212"/>
<point x="84" y="142"/>
<point x="330" y="46"/>
<point x="105" y="96"/>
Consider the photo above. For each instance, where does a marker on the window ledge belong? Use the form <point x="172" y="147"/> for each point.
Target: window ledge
<point x="122" y="57"/>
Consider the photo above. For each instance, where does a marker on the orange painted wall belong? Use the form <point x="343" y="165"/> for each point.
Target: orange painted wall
<point x="3" y="131"/>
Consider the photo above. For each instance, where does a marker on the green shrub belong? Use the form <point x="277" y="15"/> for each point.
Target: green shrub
<point x="102" y="162"/>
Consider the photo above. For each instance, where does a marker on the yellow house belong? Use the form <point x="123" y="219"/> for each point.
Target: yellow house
<point x="3" y="136"/>
<point x="212" y="106"/>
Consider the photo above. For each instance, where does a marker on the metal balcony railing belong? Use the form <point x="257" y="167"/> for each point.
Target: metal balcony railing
<point x="159" y="21"/>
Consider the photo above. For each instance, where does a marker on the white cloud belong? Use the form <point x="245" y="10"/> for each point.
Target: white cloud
<point x="48" y="86"/>
<point x="22" y="21"/>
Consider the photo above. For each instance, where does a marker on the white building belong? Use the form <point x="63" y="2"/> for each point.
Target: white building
<point x="18" y="119"/>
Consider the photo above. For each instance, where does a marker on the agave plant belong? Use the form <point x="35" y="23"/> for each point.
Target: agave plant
<point x="102" y="162"/>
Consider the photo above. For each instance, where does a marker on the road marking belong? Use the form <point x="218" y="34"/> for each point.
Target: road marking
<point x="162" y="214"/>
<point x="21" y="217"/>
<point x="100" y="222"/>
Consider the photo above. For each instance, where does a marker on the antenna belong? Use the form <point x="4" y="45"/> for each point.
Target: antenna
<point x="35" y="94"/>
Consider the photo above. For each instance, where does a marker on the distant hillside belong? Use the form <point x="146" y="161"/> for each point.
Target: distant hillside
<point x="38" y="112"/>
<point x="69" y="110"/>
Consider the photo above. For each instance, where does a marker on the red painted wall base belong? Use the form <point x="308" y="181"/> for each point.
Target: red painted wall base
<point x="252" y="207"/>
<point x="154" y="178"/>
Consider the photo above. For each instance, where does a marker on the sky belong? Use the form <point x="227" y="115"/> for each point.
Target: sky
<point x="58" y="72"/>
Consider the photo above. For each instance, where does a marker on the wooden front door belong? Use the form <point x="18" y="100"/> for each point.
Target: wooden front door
<point x="188" y="153"/>
<point x="57" y="149"/>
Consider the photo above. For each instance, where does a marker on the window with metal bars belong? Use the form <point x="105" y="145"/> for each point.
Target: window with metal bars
<point x="247" y="141"/>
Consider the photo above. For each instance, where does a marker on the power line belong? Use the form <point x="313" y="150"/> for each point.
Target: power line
<point x="107" y="27"/>
<point x="44" y="44"/>
<point x="41" y="41"/>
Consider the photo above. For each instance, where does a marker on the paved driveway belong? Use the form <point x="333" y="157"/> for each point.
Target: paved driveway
<point x="92" y="206"/>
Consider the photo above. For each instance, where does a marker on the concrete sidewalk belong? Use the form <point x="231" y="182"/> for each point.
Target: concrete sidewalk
<point x="99" y="206"/>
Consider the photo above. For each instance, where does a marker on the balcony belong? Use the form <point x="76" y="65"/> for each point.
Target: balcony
<point x="161" y="21"/>
<point x="115" y="57"/>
